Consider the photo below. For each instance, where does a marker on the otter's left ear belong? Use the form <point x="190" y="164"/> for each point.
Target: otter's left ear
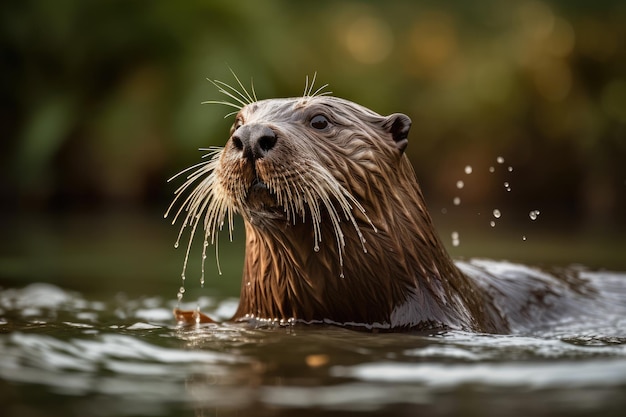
<point x="398" y="125"/>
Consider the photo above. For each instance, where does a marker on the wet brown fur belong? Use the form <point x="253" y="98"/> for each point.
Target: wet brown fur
<point x="396" y="273"/>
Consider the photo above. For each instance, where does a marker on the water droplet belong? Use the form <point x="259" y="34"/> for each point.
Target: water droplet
<point x="455" y="238"/>
<point x="500" y="160"/>
<point x="468" y="169"/>
<point x="523" y="237"/>
<point x="182" y="276"/>
<point x="444" y="210"/>
<point x="533" y="214"/>
<point x="176" y="245"/>
<point x="342" y="275"/>
<point x="496" y="213"/>
<point x="181" y="290"/>
<point x="492" y="223"/>
<point x="316" y="248"/>
<point x="510" y="169"/>
<point x="460" y="184"/>
<point x="456" y="201"/>
<point x="492" y="169"/>
<point x="506" y="184"/>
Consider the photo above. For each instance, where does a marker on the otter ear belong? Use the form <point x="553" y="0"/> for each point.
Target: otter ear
<point x="398" y="125"/>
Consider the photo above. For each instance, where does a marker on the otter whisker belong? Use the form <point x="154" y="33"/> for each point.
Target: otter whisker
<point x="214" y="216"/>
<point x="319" y="92"/>
<point x="326" y="198"/>
<point x="241" y="98"/>
<point x="251" y="100"/>
<point x="203" y="199"/>
<point x="193" y="232"/>
<point x="316" y="217"/>
<point x="210" y="151"/>
<point x="225" y="103"/>
<point x="238" y="97"/>
<point x="308" y="88"/>
<point x="344" y="198"/>
<point x="334" y="218"/>
<point x="244" y="98"/>
<point x="184" y="205"/>
<point x="290" y="199"/>
<point x="302" y="202"/>
<point x="347" y="210"/>
<point x="217" y="257"/>
<point x="204" y="168"/>
<point x="252" y="88"/>
<point x="232" y="113"/>
<point x="214" y="211"/>
<point x="312" y="189"/>
<point x="199" y="164"/>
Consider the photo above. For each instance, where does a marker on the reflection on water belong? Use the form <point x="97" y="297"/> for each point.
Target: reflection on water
<point x="65" y="354"/>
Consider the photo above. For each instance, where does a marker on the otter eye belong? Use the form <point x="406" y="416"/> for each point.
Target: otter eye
<point x="319" y="122"/>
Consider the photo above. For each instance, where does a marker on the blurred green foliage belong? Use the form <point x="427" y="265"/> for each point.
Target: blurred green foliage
<point x="101" y="99"/>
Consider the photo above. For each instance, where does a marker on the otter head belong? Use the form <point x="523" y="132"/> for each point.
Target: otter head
<point x="289" y="145"/>
<point x="314" y="161"/>
<point x="336" y="226"/>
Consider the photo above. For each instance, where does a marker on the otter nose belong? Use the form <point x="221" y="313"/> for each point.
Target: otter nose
<point x="255" y="140"/>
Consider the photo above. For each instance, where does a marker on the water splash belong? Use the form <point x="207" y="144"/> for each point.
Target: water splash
<point x="455" y="238"/>
<point x="533" y="214"/>
<point x="181" y="292"/>
<point x="505" y="170"/>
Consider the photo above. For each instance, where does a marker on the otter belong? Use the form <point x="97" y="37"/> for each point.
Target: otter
<point x="337" y="230"/>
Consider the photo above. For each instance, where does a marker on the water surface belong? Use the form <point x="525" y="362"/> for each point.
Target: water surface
<point x="63" y="354"/>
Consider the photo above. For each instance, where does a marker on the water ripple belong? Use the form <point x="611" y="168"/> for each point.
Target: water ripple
<point x="127" y="356"/>
<point x="542" y="375"/>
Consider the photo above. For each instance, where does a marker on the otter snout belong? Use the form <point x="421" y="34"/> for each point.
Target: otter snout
<point x="254" y="140"/>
